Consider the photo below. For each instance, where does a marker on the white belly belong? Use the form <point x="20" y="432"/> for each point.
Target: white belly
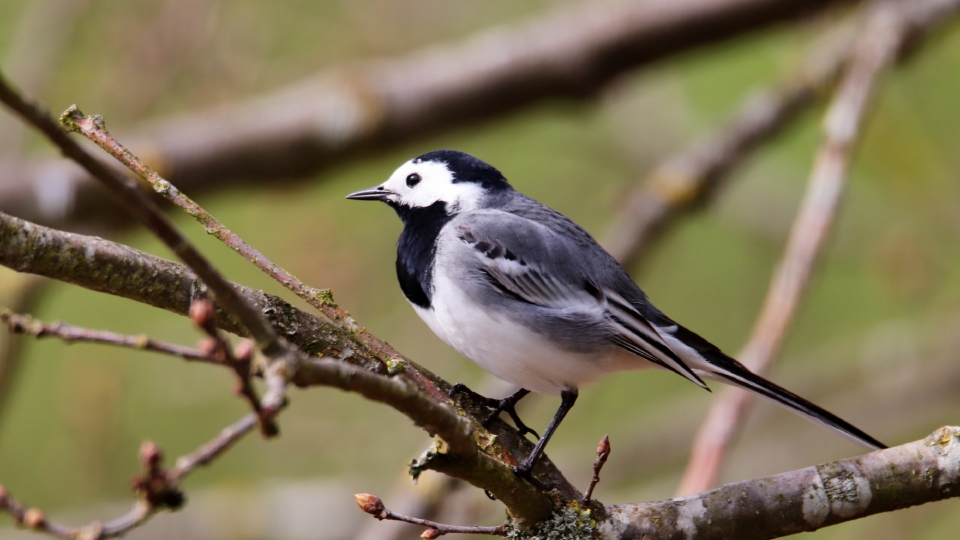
<point x="507" y="349"/>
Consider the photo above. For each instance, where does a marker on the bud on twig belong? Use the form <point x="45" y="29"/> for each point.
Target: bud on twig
<point x="370" y="504"/>
<point x="150" y="454"/>
<point x="34" y="518"/>
<point x="244" y="350"/>
<point x="603" y="449"/>
<point x="207" y="346"/>
<point x="431" y="534"/>
<point x="201" y="312"/>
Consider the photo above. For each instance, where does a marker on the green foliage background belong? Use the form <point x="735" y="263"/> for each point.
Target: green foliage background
<point x="876" y="340"/>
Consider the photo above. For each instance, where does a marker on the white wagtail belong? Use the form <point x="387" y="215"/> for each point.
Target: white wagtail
<point x="532" y="298"/>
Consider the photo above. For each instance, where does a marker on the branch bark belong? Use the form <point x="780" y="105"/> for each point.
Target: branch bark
<point x="570" y="53"/>
<point x="805" y="500"/>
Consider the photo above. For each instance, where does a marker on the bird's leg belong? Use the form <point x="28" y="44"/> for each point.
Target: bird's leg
<point x="498" y="406"/>
<point x="568" y="397"/>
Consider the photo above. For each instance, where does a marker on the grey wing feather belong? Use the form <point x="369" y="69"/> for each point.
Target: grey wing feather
<point x="533" y="263"/>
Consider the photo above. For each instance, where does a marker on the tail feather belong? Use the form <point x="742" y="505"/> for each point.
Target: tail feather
<point x="732" y="372"/>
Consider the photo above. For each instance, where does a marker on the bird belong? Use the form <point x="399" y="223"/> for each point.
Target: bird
<point x="531" y="297"/>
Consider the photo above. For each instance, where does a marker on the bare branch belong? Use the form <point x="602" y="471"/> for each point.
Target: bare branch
<point x="372" y="505"/>
<point x="158" y="489"/>
<point x="214" y="448"/>
<point x="805" y="500"/>
<point x="25" y="324"/>
<point x="295" y="131"/>
<point x="888" y="27"/>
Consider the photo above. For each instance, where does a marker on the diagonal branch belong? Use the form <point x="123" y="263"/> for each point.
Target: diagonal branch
<point x="94" y="128"/>
<point x="145" y="210"/>
<point x="688" y="179"/>
<point x="465" y="449"/>
<point x="888" y="28"/>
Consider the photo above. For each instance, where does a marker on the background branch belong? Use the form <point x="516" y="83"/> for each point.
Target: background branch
<point x="23" y="293"/>
<point x="570" y="52"/>
<point x="888" y="28"/>
<point x="688" y="179"/>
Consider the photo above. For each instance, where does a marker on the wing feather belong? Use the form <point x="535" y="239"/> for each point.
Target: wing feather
<point x="535" y="278"/>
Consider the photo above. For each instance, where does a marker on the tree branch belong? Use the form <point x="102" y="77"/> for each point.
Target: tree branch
<point x="295" y="131"/>
<point x="687" y="180"/>
<point x="888" y="27"/>
<point x="805" y="500"/>
<point x="25" y="324"/>
<point x="466" y="450"/>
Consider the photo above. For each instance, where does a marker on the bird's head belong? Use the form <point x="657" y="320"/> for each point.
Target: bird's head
<point x="455" y="181"/>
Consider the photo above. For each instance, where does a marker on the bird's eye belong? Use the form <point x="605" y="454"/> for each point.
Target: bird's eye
<point x="413" y="179"/>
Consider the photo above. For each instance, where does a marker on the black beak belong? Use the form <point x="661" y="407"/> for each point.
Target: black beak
<point x="372" y="194"/>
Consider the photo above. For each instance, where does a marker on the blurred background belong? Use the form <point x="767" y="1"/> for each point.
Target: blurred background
<point x="876" y="339"/>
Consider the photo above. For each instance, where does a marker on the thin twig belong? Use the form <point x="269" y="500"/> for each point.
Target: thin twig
<point x="94" y="128"/>
<point x="203" y="314"/>
<point x="885" y="32"/>
<point x="149" y="214"/>
<point x="25" y="324"/>
<point x="158" y="489"/>
<point x="372" y="505"/>
<point x="214" y="448"/>
<point x="603" y="452"/>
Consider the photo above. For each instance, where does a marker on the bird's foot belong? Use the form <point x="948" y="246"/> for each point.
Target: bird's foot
<point x="508" y="405"/>
<point x="497" y="406"/>
<point x="525" y="471"/>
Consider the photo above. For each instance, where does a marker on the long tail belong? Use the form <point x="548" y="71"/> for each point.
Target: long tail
<point x="728" y="370"/>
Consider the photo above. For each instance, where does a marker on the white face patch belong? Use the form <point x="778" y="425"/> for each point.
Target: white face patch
<point x="436" y="184"/>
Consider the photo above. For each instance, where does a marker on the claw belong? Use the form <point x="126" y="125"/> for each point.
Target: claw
<point x="508" y="406"/>
<point x="497" y="406"/>
<point x="525" y="471"/>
